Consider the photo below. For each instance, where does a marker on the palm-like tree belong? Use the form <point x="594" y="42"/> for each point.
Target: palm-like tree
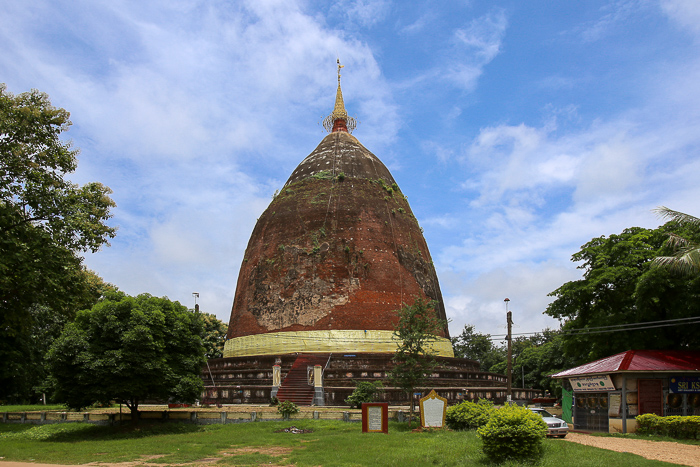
<point x="687" y="257"/>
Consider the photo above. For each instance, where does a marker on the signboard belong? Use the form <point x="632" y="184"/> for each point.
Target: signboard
<point x="592" y="384"/>
<point x="375" y="417"/>
<point x="432" y="410"/>
<point x="615" y="403"/>
<point x="684" y="384"/>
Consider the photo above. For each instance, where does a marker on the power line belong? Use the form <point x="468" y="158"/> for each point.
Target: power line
<point x="614" y="327"/>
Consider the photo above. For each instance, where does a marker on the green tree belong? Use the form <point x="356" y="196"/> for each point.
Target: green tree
<point x="365" y="391"/>
<point x="45" y="220"/>
<point x="619" y="287"/>
<point x="417" y="328"/>
<point x="686" y="258"/>
<point x="23" y="374"/>
<point x="476" y="346"/>
<point x="129" y="349"/>
<point x="214" y="335"/>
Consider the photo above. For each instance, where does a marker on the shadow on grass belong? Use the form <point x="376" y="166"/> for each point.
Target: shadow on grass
<point x="73" y="432"/>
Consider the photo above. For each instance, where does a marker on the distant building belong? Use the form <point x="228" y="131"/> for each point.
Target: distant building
<point x="609" y="393"/>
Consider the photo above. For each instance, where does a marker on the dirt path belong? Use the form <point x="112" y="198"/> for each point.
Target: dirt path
<point x="677" y="453"/>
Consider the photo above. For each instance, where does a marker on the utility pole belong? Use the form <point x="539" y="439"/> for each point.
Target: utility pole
<point x="509" y="317"/>
<point x="196" y="305"/>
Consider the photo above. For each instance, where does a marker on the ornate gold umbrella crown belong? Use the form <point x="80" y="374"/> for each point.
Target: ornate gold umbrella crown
<point x="339" y="120"/>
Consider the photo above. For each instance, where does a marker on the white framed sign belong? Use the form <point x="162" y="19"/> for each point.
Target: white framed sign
<point x="592" y="384"/>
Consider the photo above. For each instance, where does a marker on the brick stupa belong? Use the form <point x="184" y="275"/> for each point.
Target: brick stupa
<point x="331" y="260"/>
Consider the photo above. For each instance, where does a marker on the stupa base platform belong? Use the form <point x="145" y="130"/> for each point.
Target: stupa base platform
<point x="249" y="380"/>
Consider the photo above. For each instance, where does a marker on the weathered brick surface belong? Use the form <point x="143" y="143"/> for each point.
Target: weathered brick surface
<point x="338" y="248"/>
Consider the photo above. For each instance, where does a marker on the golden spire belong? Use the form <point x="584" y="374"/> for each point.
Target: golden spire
<point x="338" y="120"/>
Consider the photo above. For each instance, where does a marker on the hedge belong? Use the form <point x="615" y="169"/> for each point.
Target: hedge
<point x="674" y="426"/>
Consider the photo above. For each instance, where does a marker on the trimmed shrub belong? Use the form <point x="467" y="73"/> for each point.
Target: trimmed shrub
<point x="513" y="432"/>
<point x="469" y="415"/>
<point x="364" y="392"/>
<point x="287" y="409"/>
<point x="674" y="426"/>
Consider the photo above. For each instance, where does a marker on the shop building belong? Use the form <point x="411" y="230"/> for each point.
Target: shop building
<point x="607" y="394"/>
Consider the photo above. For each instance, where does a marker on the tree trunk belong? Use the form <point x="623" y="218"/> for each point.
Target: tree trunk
<point x="134" y="408"/>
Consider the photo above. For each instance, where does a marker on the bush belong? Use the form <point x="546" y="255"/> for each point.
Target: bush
<point x="469" y="415"/>
<point x="287" y="409"/>
<point x="364" y="392"/>
<point x="513" y="432"/>
<point x="675" y="426"/>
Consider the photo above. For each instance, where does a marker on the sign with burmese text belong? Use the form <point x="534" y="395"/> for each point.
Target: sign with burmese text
<point x="375" y="417"/>
<point x="432" y="410"/>
<point x="684" y="384"/>
<point x="592" y="384"/>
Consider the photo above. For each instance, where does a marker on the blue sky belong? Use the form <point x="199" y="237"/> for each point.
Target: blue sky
<point x="519" y="130"/>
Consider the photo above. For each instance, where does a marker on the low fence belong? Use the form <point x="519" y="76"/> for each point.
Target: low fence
<point x="197" y="417"/>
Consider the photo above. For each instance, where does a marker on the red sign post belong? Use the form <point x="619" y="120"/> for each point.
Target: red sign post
<point x="375" y="417"/>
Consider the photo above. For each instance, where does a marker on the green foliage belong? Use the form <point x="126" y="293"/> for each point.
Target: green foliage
<point x="46" y="221"/>
<point x="620" y="286"/>
<point x="214" y="336"/>
<point x="672" y="426"/>
<point x="129" y="349"/>
<point x="513" y="432"/>
<point x="469" y="415"/>
<point x="323" y="175"/>
<point x="364" y="392"/>
<point x="476" y="346"/>
<point x="341" y="177"/>
<point x="417" y="328"/>
<point x="287" y="409"/>
<point x="686" y="252"/>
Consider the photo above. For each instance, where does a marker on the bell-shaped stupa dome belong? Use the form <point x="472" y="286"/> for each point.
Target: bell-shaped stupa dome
<point x="333" y="257"/>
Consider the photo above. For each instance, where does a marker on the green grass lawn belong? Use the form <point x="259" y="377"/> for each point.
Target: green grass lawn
<point x="31" y="408"/>
<point x="332" y="443"/>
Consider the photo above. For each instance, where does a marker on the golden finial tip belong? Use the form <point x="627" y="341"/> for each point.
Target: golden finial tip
<point x="339" y="114"/>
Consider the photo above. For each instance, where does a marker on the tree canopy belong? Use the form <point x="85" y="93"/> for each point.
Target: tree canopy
<point x="476" y="346"/>
<point x="620" y="287"/>
<point x="686" y="257"/>
<point x="418" y="326"/>
<point x="129" y="349"/>
<point x="46" y="221"/>
<point x="214" y="335"/>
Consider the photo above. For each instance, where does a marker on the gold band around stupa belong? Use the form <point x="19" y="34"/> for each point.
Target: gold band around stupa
<point x="331" y="341"/>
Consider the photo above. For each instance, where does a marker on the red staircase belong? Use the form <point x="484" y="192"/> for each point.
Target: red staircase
<point x="296" y="387"/>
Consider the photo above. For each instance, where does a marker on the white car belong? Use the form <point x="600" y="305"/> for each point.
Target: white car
<point x="556" y="427"/>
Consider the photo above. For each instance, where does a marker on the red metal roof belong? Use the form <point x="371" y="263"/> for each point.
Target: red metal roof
<point x="639" y="360"/>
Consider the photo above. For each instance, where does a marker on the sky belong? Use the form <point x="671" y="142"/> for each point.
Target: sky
<point x="519" y="130"/>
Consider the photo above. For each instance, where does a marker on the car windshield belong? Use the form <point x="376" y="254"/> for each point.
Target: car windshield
<point x="544" y="413"/>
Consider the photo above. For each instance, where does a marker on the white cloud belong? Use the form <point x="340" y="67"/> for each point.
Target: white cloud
<point x="685" y="12"/>
<point x="366" y="13"/>
<point x="474" y="47"/>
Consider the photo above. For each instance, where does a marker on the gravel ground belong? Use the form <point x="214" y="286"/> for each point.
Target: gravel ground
<point x="677" y="453"/>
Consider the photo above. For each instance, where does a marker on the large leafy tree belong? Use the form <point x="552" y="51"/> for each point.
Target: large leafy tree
<point x="129" y="349"/>
<point x="46" y="221"/>
<point x="620" y="287"/>
<point x="476" y="346"/>
<point x="417" y="328"/>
